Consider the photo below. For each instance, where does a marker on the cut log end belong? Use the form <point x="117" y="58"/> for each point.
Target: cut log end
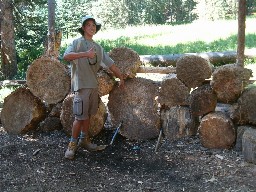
<point x="127" y="60"/>
<point x="192" y="70"/>
<point x="217" y="131"/>
<point x="48" y="79"/>
<point x="22" y="112"/>
<point x="137" y="107"/>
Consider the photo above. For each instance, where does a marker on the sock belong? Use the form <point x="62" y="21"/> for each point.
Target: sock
<point x="82" y="135"/>
<point x="73" y="140"/>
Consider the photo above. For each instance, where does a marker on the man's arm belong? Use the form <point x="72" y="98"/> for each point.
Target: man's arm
<point x="118" y="74"/>
<point x="72" y="55"/>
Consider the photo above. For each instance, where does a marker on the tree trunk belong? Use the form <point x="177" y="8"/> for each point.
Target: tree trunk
<point x="192" y="70"/>
<point x="67" y="118"/>
<point x="243" y="112"/>
<point x="173" y="92"/>
<point x="202" y="100"/>
<point x="48" y="79"/>
<point x="137" y="107"/>
<point x="241" y="32"/>
<point x="8" y="51"/>
<point x="213" y="57"/>
<point x="216" y="131"/>
<point x="228" y="82"/>
<point x="127" y="60"/>
<point x="22" y="112"/>
<point x="51" y="28"/>
<point x="178" y="122"/>
<point x="249" y="145"/>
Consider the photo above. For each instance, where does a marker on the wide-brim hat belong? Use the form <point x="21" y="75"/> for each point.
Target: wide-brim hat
<point x="87" y="17"/>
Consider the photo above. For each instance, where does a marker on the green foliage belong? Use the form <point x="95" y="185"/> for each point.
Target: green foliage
<point x="31" y="21"/>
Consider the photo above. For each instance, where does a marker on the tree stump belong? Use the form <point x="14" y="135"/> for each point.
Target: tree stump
<point x="106" y="83"/>
<point x="22" y="111"/>
<point x="178" y="122"/>
<point x="192" y="70"/>
<point x="216" y="130"/>
<point x="228" y="82"/>
<point x="249" y="145"/>
<point x="173" y="92"/>
<point x="202" y="100"/>
<point x="48" y="79"/>
<point x="67" y="118"/>
<point x="137" y="107"/>
<point x="244" y="111"/>
<point x="127" y="60"/>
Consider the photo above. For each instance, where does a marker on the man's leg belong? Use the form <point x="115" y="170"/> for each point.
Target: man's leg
<point x="72" y="146"/>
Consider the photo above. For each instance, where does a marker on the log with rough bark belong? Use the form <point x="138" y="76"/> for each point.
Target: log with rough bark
<point x="239" y="136"/>
<point x="48" y="79"/>
<point x="216" y="58"/>
<point x="228" y="82"/>
<point x="217" y="131"/>
<point x="161" y="70"/>
<point x="106" y="82"/>
<point x="193" y="70"/>
<point x="127" y="60"/>
<point x="67" y="118"/>
<point x="249" y="145"/>
<point x="202" y="100"/>
<point x="244" y="111"/>
<point x="178" y="122"/>
<point x="137" y="107"/>
<point x="22" y="111"/>
<point x="173" y="92"/>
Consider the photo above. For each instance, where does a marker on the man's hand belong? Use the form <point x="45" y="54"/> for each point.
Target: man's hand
<point x="91" y="53"/>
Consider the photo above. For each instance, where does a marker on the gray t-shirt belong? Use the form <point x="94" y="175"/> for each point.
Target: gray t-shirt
<point x="84" y="70"/>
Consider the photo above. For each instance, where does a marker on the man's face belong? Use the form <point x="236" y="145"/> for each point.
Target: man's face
<point x="89" y="27"/>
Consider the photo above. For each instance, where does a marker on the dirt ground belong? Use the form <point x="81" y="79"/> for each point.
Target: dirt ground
<point x="35" y="162"/>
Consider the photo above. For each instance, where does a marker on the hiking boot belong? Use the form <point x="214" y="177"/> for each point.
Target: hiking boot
<point x="86" y="143"/>
<point x="70" y="153"/>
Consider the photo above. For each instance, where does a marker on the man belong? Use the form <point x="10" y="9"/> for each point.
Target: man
<point x="86" y="57"/>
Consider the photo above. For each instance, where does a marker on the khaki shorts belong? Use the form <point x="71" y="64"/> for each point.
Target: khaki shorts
<point x="85" y="103"/>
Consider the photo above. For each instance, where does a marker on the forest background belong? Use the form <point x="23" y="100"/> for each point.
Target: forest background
<point x="24" y="27"/>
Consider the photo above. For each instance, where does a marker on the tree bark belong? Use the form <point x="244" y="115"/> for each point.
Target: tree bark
<point x="22" y="112"/>
<point x="217" y="131"/>
<point x="51" y="28"/>
<point x="178" y="122"/>
<point x="241" y="32"/>
<point x="8" y="51"/>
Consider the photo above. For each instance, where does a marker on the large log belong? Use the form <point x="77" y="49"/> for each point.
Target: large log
<point x="173" y="92"/>
<point x="244" y="111"/>
<point x="178" y="122"/>
<point x="193" y="70"/>
<point x="228" y="82"/>
<point x="105" y="82"/>
<point x="67" y="118"/>
<point x="137" y="107"/>
<point x="127" y="60"/>
<point x="22" y="111"/>
<point x="48" y="79"/>
<point x="217" y="131"/>
<point x="249" y="145"/>
<point x="202" y="100"/>
<point x="216" y="58"/>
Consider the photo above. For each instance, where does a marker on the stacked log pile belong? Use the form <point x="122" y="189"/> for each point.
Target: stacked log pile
<point x="182" y="104"/>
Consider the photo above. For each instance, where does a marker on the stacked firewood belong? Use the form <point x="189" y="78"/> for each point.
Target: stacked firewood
<point x="185" y="102"/>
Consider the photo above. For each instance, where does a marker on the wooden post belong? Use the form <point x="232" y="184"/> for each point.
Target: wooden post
<point x="241" y="33"/>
